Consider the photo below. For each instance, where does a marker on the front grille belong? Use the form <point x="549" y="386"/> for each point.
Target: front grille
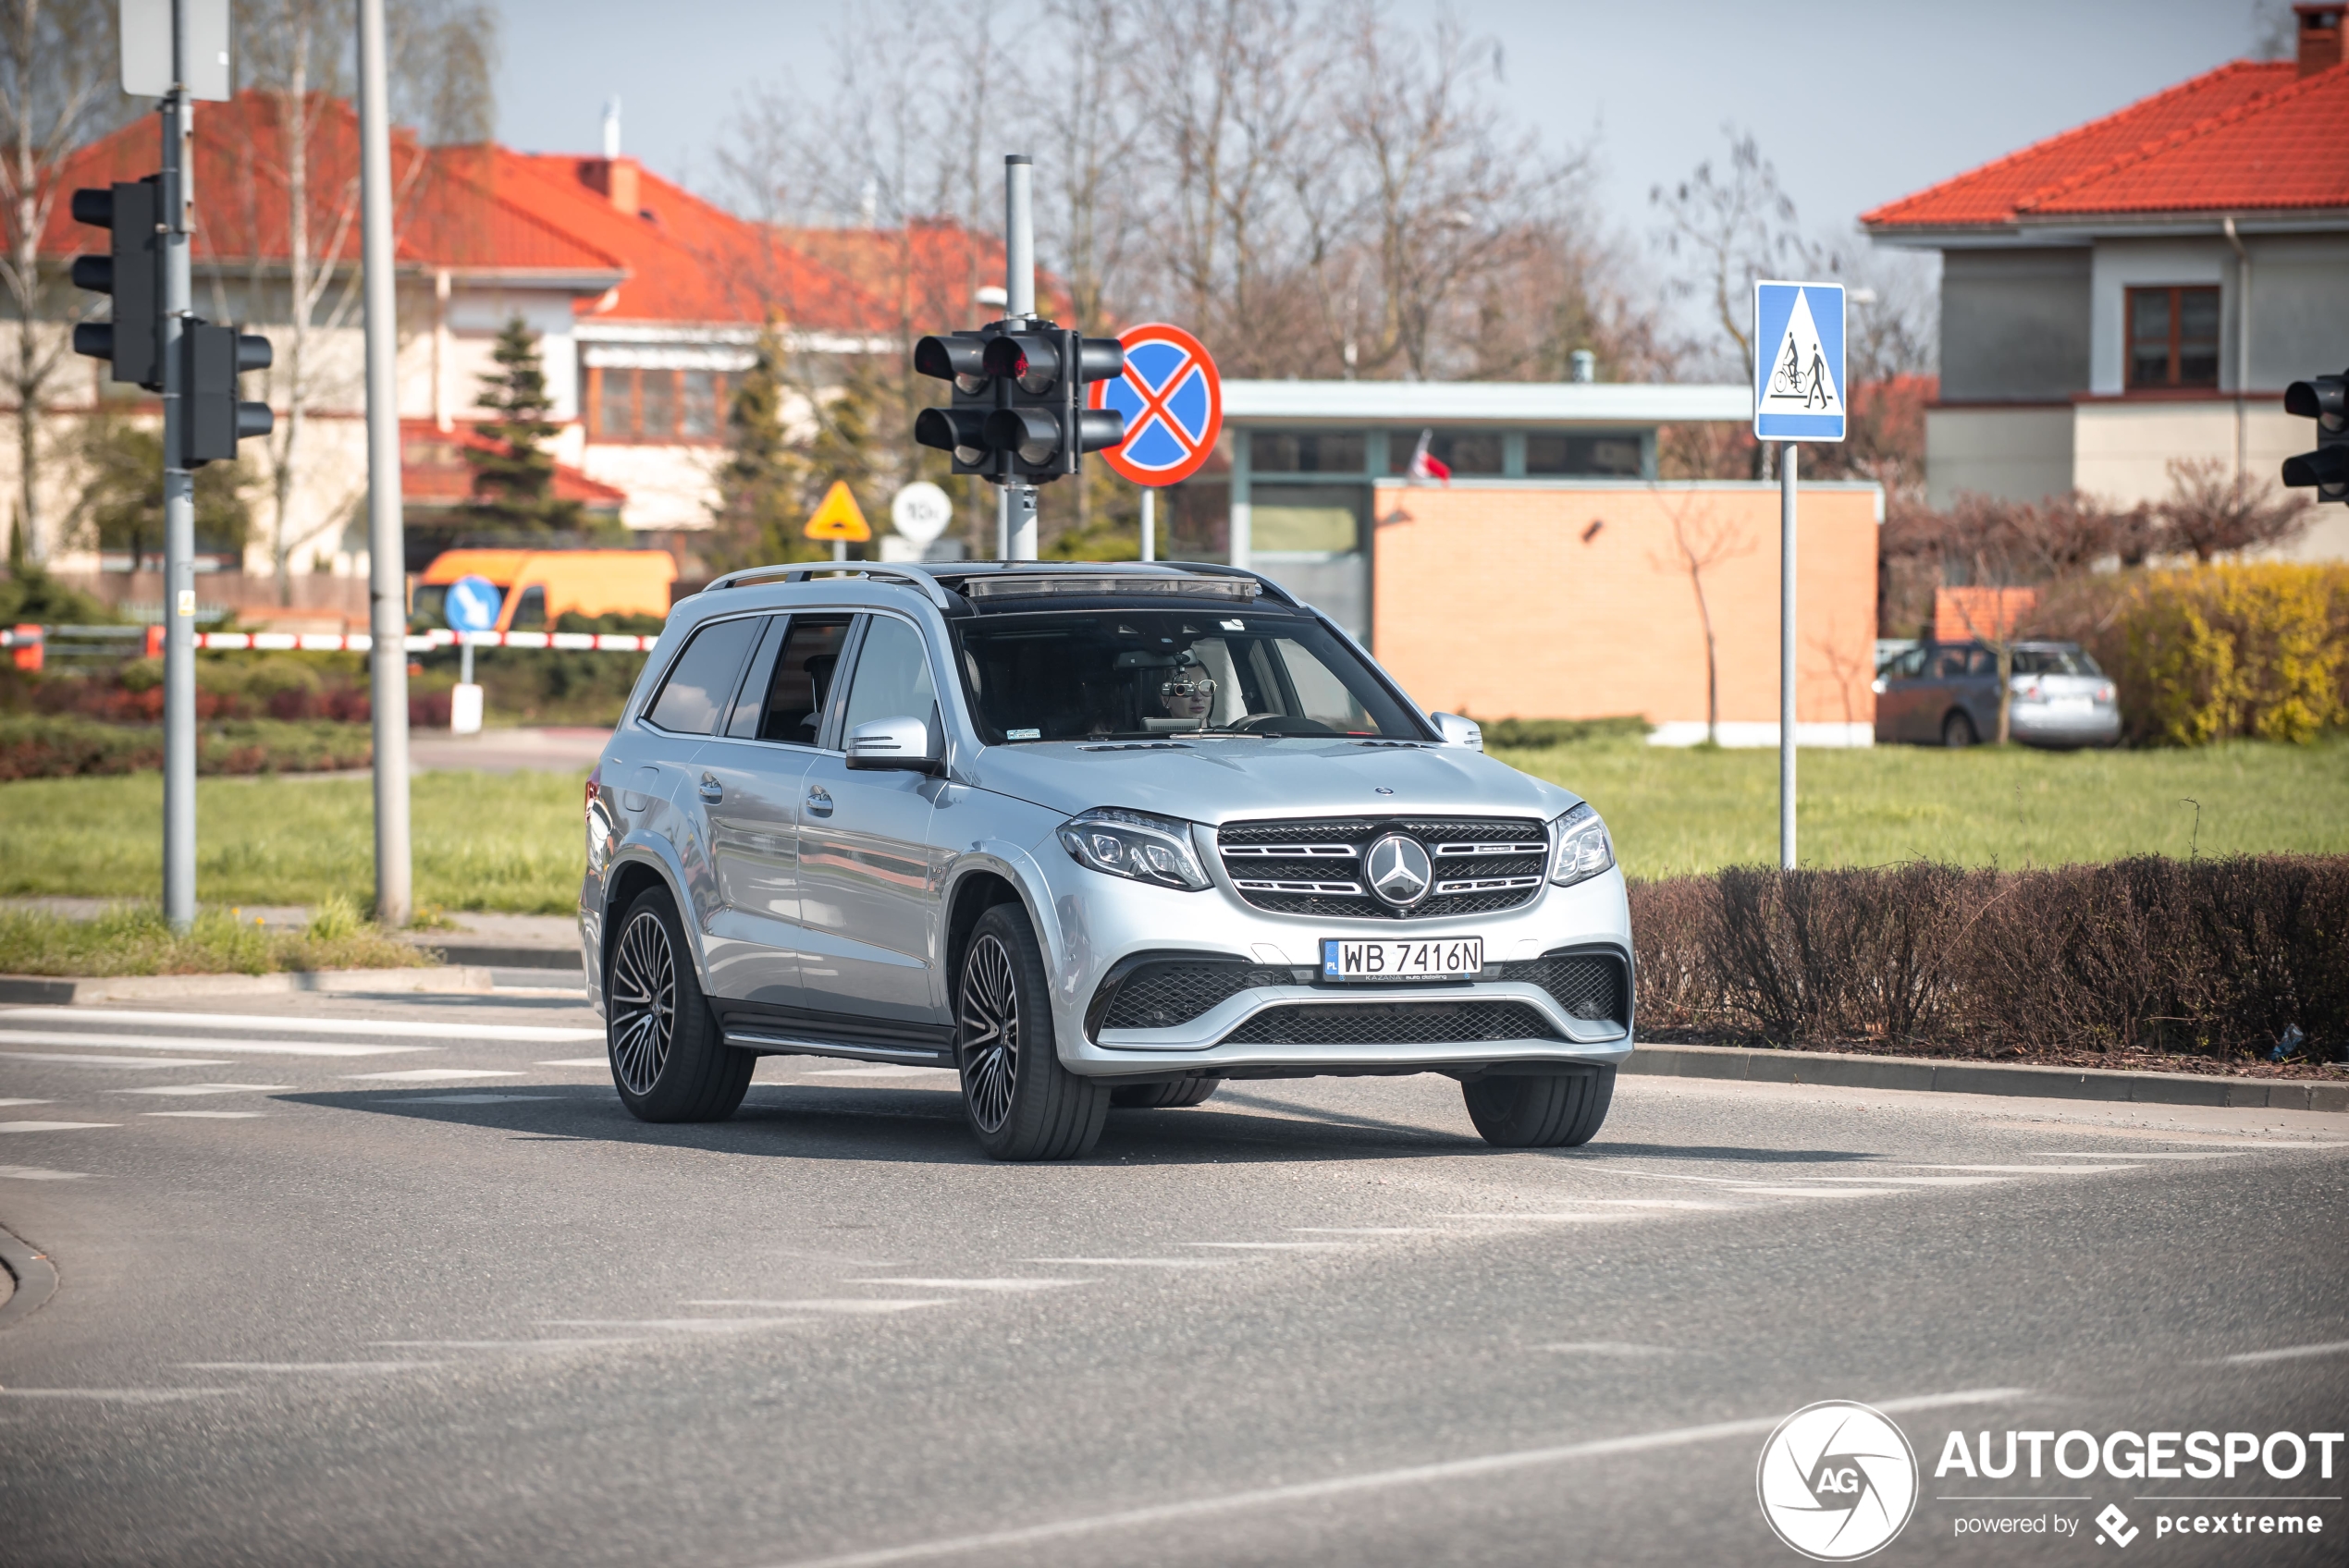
<point x="1391" y="1024"/>
<point x="1309" y="865"/>
<point x="1162" y="995"/>
<point x="1587" y="986"/>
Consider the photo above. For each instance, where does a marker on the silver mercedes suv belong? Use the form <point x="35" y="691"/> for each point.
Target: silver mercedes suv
<point x="1092" y="836"/>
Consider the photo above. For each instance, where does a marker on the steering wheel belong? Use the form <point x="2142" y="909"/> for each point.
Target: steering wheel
<point x="1248" y="722"/>
<point x="1254" y="724"/>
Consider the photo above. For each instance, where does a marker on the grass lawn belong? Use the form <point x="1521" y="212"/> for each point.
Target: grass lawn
<point x="482" y="841"/>
<point x="1676" y="811"/>
<point x="512" y="841"/>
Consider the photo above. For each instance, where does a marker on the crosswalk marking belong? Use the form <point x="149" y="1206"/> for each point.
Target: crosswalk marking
<point x="383" y="1028"/>
<point x="1007" y="1286"/>
<point x="52" y="1126"/>
<point x="24" y="1102"/>
<point x="180" y="1089"/>
<point x="678" y="1325"/>
<point x="578" y="1061"/>
<point x="428" y="1074"/>
<point x="130" y="1062"/>
<point x="207" y="1115"/>
<point x="242" y="1047"/>
<point x="849" y="1305"/>
<point x="1279" y="1246"/>
<point x="1133" y="1262"/>
<point x="35" y="1174"/>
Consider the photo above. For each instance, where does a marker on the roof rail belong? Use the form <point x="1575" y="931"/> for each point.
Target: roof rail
<point x="910" y="575"/>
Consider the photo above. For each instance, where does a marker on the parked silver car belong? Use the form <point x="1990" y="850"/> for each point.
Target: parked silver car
<point x="1946" y="693"/>
<point x="1093" y="836"/>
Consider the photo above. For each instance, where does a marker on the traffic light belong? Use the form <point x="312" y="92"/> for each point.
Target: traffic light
<point x="2324" y="399"/>
<point x="132" y="338"/>
<point x="213" y="420"/>
<point x="1018" y="416"/>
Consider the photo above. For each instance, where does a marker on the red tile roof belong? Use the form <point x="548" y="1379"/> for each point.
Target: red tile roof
<point x="2249" y="135"/>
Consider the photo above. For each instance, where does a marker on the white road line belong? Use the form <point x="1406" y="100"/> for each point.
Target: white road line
<point x="208" y="1115"/>
<point x="841" y="1304"/>
<point x="2290" y="1352"/>
<point x="25" y="1102"/>
<point x="133" y="1062"/>
<point x="2021" y="1170"/>
<point x="2138" y="1154"/>
<point x="383" y="1028"/>
<point x="496" y="1344"/>
<point x="467" y="1099"/>
<point x="35" y="1174"/>
<point x="342" y="1367"/>
<point x="678" y="1325"/>
<point x="166" y="1042"/>
<point x="1366" y="1230"/>
<point x="1551" y="1218"/>
<point x="579" y="1062"/>
<point x="432" y="1074"/>
<point x="1005" y="1285"/>
<point x="1608" y="1347"/>
<point x="52" y="1126"/>
<point x="1371" y="1481"/>
<point x="1133" y="1262"/>
<point x="1660" y="1203"/>
<point x="119" y="1396"/>
<point x="1825" y="1191"/>
<point x="177" y="1089"/>
<point x="1917" y="1180"/>
<point x="1279" y="1246"/>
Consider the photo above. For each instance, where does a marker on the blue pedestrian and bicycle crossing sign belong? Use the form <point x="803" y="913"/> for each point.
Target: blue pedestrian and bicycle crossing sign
<point x="1798" y="362"/>
<point x="472" y="605"/>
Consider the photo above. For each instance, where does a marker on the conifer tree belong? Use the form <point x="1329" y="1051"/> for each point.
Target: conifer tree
<point x="762" y="487"/>
<point x="514" y="484"/>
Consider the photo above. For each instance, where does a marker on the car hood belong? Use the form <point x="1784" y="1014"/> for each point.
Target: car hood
<point x="1231" y="780"/>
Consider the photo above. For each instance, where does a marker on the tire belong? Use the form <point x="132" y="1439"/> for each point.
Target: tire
<point x="1957" y="732"/>
<point x="1020" y="1100"/>
<point x="1163" y="1096"/>
<point x="1560" y="1111"/>
<point x="668" y="1060"/>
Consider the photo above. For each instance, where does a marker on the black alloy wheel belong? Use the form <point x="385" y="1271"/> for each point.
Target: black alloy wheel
<point x="668" y="1060"/>
<point x="1021" y="1101"/>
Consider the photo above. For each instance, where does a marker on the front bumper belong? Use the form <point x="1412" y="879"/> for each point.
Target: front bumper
<point x="1102" y="920"/>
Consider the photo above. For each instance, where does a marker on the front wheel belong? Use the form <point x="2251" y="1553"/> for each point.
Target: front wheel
<point x="1957" y="731"/>
<point x="1549" y="1112"/>
<point x="1021" y="1101"/>
<point x="668" y="1060"/>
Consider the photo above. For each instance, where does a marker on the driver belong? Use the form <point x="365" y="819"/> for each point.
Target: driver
<point x="1188" y="696"/>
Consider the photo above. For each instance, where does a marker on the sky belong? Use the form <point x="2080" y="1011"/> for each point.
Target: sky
<point x="1856" y="103"/>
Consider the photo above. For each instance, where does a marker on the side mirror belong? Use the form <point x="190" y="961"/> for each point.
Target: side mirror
<point x="1458" y="731"/>
<point x="902" y="744"/>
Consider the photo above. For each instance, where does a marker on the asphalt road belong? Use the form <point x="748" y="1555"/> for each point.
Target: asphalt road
<point x="348" y="1281"/>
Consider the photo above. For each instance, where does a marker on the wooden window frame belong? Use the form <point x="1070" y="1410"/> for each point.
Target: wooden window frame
<point x="2170" y="381"/>
<point x="720" y="387"/>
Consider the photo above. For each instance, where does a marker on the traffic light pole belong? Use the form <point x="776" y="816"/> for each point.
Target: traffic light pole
<point x="1018" y="527"/>
<point x="387" y="552"/>
<point x="1785" y="655"/>
<point x="178" y="502"/>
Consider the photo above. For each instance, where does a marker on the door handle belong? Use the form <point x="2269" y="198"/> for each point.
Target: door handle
<point x="712" y="790"/>
<point x="820" y="802"/>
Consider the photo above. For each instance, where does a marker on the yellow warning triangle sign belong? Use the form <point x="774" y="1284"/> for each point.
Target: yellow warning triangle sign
<point x="839" y="517"/>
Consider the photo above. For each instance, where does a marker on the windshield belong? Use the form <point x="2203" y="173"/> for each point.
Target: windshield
<point x="1144" y="674"/>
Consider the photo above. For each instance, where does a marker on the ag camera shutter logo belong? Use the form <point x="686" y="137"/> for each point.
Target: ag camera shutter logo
<point x="1838" y="1481"/>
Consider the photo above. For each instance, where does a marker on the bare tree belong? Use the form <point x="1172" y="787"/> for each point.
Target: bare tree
<point x="58" y="88"/>
<point x="1729" y="227"/>
<point x="1702" y="539"/>
<point x="2213" y="509"/>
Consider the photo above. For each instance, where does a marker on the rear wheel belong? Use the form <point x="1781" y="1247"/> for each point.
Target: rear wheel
<point x="667" y="1058"/>
<point x="1163" y="1096"/>
<point x="1021" y="1101"/>
<point x="1957" y="731"/>
<point x="1550" y="1112"/>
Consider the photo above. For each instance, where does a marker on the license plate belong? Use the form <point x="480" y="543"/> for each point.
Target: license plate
<point x="1450" y="958"/>
<point x="2071" y="704"/>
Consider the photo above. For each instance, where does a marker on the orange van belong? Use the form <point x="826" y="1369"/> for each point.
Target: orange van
<point x="539" y="585"/>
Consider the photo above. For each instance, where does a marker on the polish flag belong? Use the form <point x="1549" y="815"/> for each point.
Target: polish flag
<point x="1426" y="466"/>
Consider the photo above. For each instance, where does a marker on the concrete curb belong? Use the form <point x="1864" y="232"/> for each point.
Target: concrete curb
<point x="1985" y="1078"/>
<point x="502" y="956"/>
<point x="34" y="1275"/>
<point x="66" y="990"/>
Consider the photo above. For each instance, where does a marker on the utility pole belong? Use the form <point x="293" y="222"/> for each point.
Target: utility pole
<point x="387" y="552"/>
<point x="1019" y="309"/>
<point x="178" y="195"/>
<point x="1785" y="655"/>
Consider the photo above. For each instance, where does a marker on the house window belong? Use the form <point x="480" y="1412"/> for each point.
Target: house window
<point x="1616" y="456"/>
<point x="655" y="405"/>
<point x="1306" y="452"/>
<point x="2173" y="338"/>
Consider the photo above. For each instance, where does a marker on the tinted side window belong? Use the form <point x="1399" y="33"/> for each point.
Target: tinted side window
<point x="1948" y="662"/>
<point x="1981" y="661"/>
<point x="702" y="680"/>
<point x="753" y="696"/>
<point x="893" y="677"/>
<point x="791" y="707"/>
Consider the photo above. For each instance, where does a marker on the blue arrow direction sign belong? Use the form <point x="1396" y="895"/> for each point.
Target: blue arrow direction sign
<point x="1798" y="362"/>
<point x="472" y="605"/>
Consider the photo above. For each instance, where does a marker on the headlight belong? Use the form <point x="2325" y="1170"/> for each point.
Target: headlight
<point x="1579" y="847"/>
<point x="1134" y="844"/>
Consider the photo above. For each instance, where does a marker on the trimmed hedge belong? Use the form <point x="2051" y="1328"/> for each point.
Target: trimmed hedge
<point x="63" y="746"/>
<point x="2208" y="957"/>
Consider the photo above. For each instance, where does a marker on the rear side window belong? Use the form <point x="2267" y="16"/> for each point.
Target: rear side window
<point x="893" y="677"/>
<point x="791" y="693"/>
<point x="1948" y="663"/>
<point x="702" y="680"/>
<point x="1981" y="661"/>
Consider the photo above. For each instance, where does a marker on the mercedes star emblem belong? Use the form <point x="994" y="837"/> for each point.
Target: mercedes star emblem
<point x="1399" y="871"/>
